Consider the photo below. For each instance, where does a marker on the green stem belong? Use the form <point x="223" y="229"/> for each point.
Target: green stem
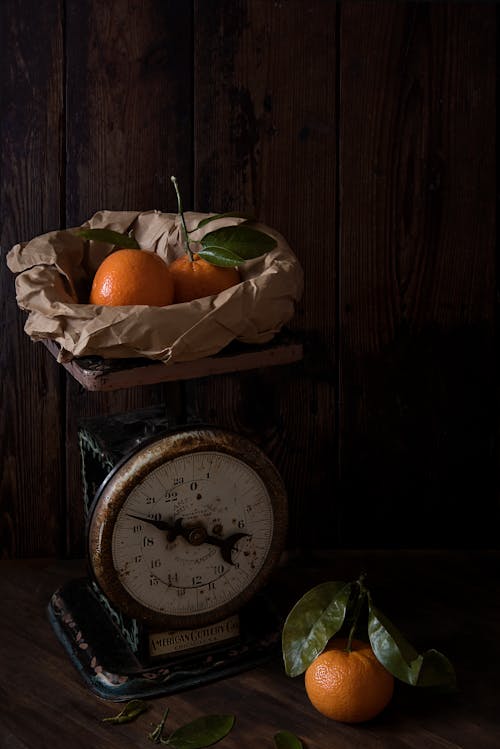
<point x="359" y="605"/>
<point x="181" y="214"/>
<point x="156" y="735"/>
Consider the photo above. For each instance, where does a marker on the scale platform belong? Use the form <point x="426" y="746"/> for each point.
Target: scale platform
<point x="114" y="672"/>
<point x="97" y="374"/>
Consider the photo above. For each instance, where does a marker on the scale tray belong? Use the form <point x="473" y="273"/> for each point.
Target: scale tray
<point x="114" y="672"/>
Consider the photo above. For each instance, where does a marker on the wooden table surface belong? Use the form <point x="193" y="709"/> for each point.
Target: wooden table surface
<point x="441" y="599"/>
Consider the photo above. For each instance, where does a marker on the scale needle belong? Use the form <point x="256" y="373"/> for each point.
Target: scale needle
<point x="196" y="535"/>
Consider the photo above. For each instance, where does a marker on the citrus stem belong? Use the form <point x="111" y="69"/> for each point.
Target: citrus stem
<point x="156" y="735"/>
<point x="181" y="214"/>
<point x="359" y="605"/>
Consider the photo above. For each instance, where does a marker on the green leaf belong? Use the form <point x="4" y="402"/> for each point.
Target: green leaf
<point x="129" y="713"/>
<point x="437" y="671"/>
<point x="287" y="740"/>
<point x="402" y="660"/>
<point x="221" y="258"/>
<point x="243" y="241"/>
<point x="201" y="732"/>
<point x="112" y="237"/>
<point x="314" y="619"/>
<point x="391" y="647"/>
<point x="232" y="214"/>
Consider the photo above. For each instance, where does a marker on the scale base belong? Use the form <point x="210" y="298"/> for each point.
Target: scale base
<point x="114" y="672"/>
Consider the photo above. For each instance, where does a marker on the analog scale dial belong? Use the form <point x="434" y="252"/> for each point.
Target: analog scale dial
<point x="187" y="529"/>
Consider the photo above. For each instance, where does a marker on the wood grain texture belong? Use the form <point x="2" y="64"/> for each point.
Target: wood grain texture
<point x="365" y="133"/>
<point x="129" y="118"/>
<point x="44" y="703"/>
<point x="128" y="129"/>
<point x="417" y="288"/>
<point x="265" y="142"/>
<point x="31" y="64"/>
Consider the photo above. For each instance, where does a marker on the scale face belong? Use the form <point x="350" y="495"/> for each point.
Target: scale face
<point x="184" y="529"/>
<point x="184" y="532"/>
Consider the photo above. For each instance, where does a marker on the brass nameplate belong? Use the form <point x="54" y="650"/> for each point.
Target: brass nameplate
<point x="180" y="640"/>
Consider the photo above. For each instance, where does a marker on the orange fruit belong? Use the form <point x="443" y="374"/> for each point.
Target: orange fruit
<point x="198" y="278"/>
<point x="132" y="277"/>
<point x="350" y="687"/>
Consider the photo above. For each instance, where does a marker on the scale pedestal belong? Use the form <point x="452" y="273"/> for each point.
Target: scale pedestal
<point x="109" y="649"/>
<point x="102" y="653"/>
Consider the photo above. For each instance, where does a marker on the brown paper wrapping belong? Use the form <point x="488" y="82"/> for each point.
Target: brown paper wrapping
<point x="55" y="270"/>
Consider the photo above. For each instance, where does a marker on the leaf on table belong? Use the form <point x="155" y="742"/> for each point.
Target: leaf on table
<point x="201" y="732"/>
<point x="287" y="740"/>
<point x="432" y="669"/>
<point x="130" y="712"/>
<point x="314" y="619"/>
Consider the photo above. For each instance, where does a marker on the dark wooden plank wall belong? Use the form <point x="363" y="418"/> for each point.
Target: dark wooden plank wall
<point x="31" y="164"/>
<point x="364" y="132"/>
<point x="417" y="288"/>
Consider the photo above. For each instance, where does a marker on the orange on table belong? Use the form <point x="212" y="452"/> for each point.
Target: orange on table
<point x="350" y="687"/>
<point x="132" y="277"/>
<point x="197" y="278"/>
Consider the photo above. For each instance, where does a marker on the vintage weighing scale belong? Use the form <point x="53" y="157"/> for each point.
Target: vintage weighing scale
<point x="185" y="524"/>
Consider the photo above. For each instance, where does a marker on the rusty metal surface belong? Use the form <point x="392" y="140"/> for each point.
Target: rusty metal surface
<point x="132" y="471"/>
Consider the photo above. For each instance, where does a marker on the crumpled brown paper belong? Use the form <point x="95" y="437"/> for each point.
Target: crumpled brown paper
<point x="55" y="271"/>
